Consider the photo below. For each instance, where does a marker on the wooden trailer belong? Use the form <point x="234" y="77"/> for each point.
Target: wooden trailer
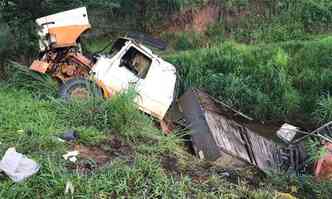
<point x="220" y="133"/>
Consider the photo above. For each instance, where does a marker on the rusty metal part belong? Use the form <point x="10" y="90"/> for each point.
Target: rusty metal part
<point x="68" y="69"/>
<point x="63" y="64"/>
<point x="40" y="66"/>
<point x="80" y="59"/>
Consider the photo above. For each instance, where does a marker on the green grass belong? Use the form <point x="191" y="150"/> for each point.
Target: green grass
<point x="282" y="81"/>
<point x="31" y="125"/>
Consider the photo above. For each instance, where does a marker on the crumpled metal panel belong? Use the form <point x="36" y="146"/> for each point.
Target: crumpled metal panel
<point x="217" y="129"/>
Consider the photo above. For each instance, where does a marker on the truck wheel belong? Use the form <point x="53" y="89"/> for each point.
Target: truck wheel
<point x="79" y="88"/>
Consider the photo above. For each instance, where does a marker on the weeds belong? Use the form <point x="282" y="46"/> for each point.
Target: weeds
<point x="301" y="186"/>
<point x="270" y="82"/>
<point x="323" y="112"/>
<point x="41" y="85"/>
<point x="32" y="126"/>
<point x="119" y="114"/>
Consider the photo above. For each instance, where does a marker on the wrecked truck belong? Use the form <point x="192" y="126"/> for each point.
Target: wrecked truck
<point x="217" y="131"/>
<point x="128" y="64"/>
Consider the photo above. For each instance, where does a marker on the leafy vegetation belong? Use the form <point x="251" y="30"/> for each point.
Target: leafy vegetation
<point x="272" y="82"/>
<point x="270" y="59"/>
<point x="33" y="126"/>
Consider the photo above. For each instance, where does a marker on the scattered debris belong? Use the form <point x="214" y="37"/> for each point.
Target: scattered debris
<point x="287" y="132"/>
<point x="71" y="156"/>
<point x="17" y="166"/>
<point x="60" y="140"/>
<point x="70" y="135"/>
<point x="96" y="157"/>
<point x="322" y="133"/>
<point x="69" y="188"/>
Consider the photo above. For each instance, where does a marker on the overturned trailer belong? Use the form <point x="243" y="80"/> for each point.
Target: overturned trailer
<point x="220" y="133"/>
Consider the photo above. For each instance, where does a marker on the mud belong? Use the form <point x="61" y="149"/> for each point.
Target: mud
<point x="92" y="158"/>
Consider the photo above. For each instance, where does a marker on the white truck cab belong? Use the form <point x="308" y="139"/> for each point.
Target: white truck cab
<point x="132" y="64"/>
<point x="128" y="64"/>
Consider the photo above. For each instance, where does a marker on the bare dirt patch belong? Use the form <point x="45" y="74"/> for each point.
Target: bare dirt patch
<point x="196" y="20"/>
<point x="170" y="164"/>
<point x="91" y="158"/>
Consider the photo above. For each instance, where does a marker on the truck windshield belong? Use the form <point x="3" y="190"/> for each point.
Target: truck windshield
<point x="136" y="62"/>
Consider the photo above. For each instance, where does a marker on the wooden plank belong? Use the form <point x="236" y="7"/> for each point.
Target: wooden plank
<point x="266" y="152"/>
<point x="227" y="135"/>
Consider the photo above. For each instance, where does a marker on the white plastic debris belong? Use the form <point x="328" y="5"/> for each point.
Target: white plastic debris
<point x="69" y="188"/>
<point x="71" y="156"/>
<point x="287" y="132"/>
<point x="73" y="159"/>
<point x="17" y="166"/>
<point x="60" y="140"/>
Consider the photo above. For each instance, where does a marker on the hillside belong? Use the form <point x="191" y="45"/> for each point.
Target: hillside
<point x="268" y="59"/>
<point x="122" y="155"/>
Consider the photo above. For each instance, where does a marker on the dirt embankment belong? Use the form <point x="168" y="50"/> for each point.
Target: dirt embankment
<point x="194" y="19"/>
<point x="199" y="19"/>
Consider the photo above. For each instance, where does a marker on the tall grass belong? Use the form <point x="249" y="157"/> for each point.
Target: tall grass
<point x="20" y="76"/>
<point x="116" y="115"/>
<point x="323" y="113"/>
<point x="142" y="176"/>
<point x="277" y="81"/>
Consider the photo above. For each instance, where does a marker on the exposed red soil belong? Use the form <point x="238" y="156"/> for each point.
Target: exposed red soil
<point x="196" y="20"/>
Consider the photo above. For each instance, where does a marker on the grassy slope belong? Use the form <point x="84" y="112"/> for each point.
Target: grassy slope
<point x="156" y="165"/>
<point x="280" y="81"/>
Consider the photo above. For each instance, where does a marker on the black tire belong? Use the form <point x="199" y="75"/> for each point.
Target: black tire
<point x="85" y="86"/>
